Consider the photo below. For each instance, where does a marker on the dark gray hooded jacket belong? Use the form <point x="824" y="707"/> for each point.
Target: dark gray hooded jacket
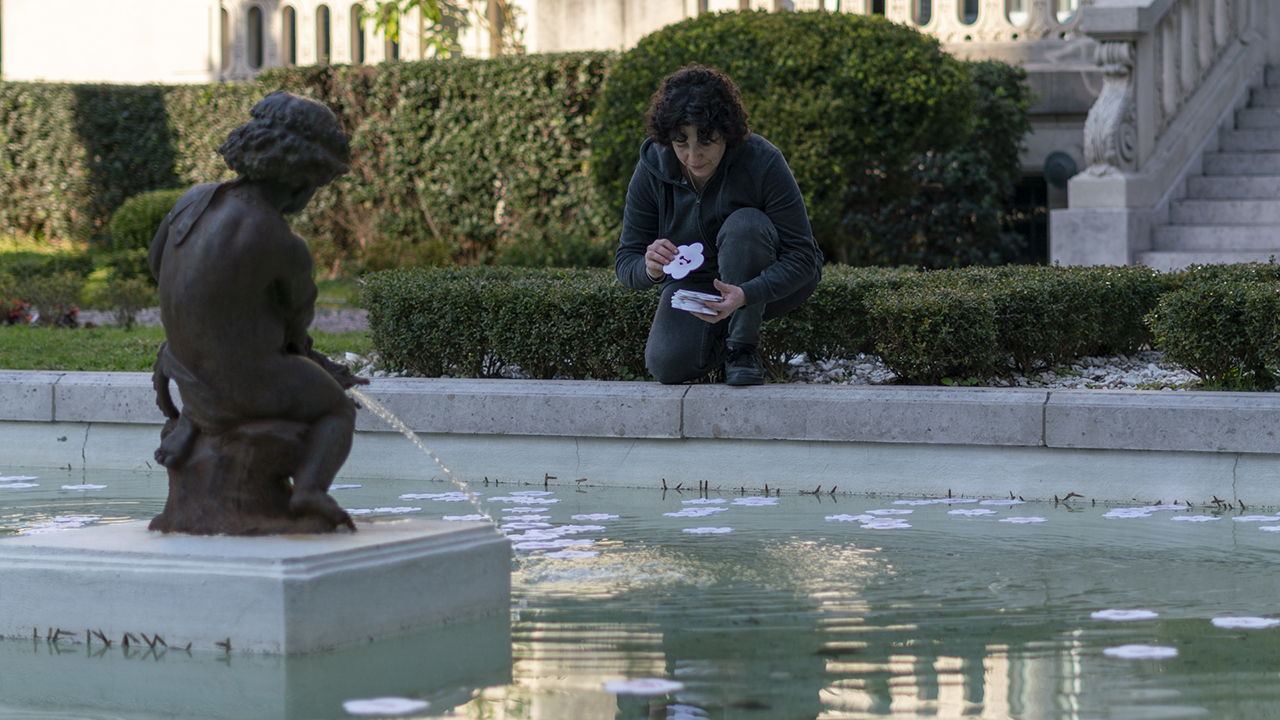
<point x="661" y="204"/>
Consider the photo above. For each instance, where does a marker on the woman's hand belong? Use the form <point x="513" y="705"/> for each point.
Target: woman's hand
<point x="659" y="253"/>
<point x="734" y="298"/>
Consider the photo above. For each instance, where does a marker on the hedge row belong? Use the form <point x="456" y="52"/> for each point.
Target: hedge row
<point x="524" y="160"/>
<point x="975" y="322"/>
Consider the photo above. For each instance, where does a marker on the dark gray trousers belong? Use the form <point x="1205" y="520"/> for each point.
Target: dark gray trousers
<point x="681" y="347"/>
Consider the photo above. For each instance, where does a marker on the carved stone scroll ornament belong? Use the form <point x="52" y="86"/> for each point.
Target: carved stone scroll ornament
<point x="1110" y="131"/>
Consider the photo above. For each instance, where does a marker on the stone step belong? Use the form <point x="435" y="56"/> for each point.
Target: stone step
<point x="1249" y="141"/>
<point x="1242" y="163"/>
<point x="1224" y="212"/>
<point x="1174" y="261"/>
<point x="1264" y="97"/>
<point x="1258" y="119"/>
<point x="1217" y="238"/>
<point x="1233" y="187"/>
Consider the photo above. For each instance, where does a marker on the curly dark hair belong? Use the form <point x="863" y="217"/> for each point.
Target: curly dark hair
<point x="700" y="96"/>
<point x="291" y="139"/>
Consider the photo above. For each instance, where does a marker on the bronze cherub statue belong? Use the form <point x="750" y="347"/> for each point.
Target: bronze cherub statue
<point x="260" y="406"/>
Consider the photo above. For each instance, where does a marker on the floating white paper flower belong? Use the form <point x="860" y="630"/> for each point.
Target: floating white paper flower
<point x="344" y="487"/>
<point x="755" y="501"/>
<point x="1124" y="615"/>
<point x="84" y="487"/>
<point x="397" y="510"/>
<point x="358" y="511"/>
<point x="850" y="518"/>
<point x="527" y="518"/>
<point x="917" y="502"/>
<point x="706" y="501"/>
<point x="1270" y="528"/>
<point x="695" y="512"/>
<point x="1194" y="518"/>
<point x="1127" y="513"/>
<point x="885" y="525"/>
<point x="975" y="512"/>
<point x="572" y="554"/>
<point x="643" y="686"/>
<point x="532" y="493"/>
<point x="464" y="518"/>
<point x="1244" y="623"/>
<point x="59" y="523"/>
<point x="575" y="529"/>
<point x="385" y="706"/>
<point x="1255" y="518"/>
<point x="594" y="516"/>
<point x="438" y="497"/>
<point x="526" y="500"/>
<point x="1023" y="520"/>
<point x="524" y="525"/>
<point x="892" y="511"/>
<point x="956" y="501"/>
<point x="523" y="510"/>
<point x="536" y="545"/>
<point x="1002" y="502"/>
<point x="688" y="258"/>
<point x="18" y="486"/>
<point x="17" y="478"/>
<point x="1141" y="652"/>
<point x="708" y="530"/>
<point x="573" y="542"/>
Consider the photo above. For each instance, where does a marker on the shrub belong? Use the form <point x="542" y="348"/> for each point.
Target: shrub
<point x="126" y="297"/>
<point x="936" y="330"/>
<point x="134" y="224"/>
<point x="955" y="214"/>
<point x="1223" y="324"/>
<point x="843" y="96"/>
<point x="54" y="297"/>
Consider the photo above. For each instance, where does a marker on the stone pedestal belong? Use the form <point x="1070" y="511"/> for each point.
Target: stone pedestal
<point x="287" y="594"/>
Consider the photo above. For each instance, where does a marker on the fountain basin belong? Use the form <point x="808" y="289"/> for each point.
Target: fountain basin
<point x="288" y="594"/>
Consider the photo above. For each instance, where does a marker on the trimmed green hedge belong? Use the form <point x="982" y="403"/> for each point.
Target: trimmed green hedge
<point x="926" y="326"/>
<point x="1222" y="322"/>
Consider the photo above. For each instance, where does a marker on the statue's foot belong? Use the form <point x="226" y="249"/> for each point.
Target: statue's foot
<point x="176" y="442"/>
<point x="312" y="502"/>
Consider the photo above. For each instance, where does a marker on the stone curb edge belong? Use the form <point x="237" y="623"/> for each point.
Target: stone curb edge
<point x="1216" y="422"/>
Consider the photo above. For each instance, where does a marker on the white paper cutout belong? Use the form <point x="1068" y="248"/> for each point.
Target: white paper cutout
<point x="696" y="512"/>
<point x="59" y="524"/>
<point x="575" y="529"/>
<point x="1195" y="518"/>
<point x="886" y="524"/>
<point x="525" y="499"/>
<point x="1002" y="502"/>
<point x="755" y="501"/>
<point x="464" y="518"/>
<point x="893" y="511"/>
<point x="1255" y="518"/>
<point x="694" y="302"/>
<point x="594" y="516"/>
<point x="1244" y="623"/>
<point x="455" y="496"/>
<point x="1115" y="615"/>
<point x="1270" y="528"/>
<point x="572" y="554"/>
<point x="358" y="511"/>
<point x="916" y="502"/>
<point x="536" y="545"/>
<point x="688" y="259"/>
<point x="397" y="510"/>
<point x="1024" y="520"/>
<point x="645" y="686"/>
<point x="705" y="501"/>
<point x="17" y="478"/>
<point x="18" y="486"/>
<point x="1141" y="652"/>
<point x="94" y="487"/>
<point x="975" y="512"/>
<point x="337" y="486"/>
<point x="1127" y="513"/>
<point x="851" y="518"/>
<point x="524" y="526"/>
<point x="708" y="530"/>
<point x="385" y="706"/>
<point x="532" y="493"/>
<point x="523" y="510"/>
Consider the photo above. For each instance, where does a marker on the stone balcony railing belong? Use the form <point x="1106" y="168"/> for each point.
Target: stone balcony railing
<point x="1174" y="71"/>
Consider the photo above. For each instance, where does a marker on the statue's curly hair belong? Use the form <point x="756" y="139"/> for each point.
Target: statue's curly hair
<point x="700" y="96"/>
<point x="291" y="139"/>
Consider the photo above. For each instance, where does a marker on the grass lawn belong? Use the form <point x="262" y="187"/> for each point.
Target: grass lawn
<point x="104" y="349"/>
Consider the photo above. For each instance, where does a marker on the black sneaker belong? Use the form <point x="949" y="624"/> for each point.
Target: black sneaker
<point x="743" y="366"/>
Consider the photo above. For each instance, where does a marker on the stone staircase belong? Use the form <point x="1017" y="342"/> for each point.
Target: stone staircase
<point x="1231" y="213"/>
